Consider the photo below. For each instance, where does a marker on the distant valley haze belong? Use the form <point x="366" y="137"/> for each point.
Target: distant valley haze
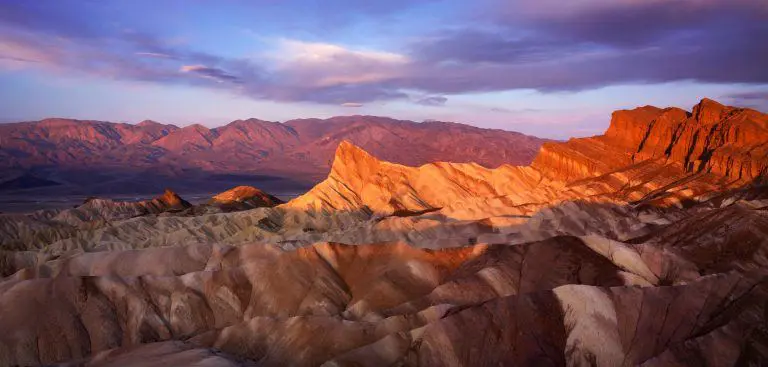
<point x="85" y="157"/>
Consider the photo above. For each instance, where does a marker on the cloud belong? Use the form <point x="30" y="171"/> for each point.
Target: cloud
<point x="752" y="99"/>
<point x="600" y="45"/>
<point x="351" y="104"/>
<point x="154" y="54"/>
<point x="316" y="52"/>
<point x="191" y="68"/>
<point x="57" y="17"/>
<point x="24" y="51"/>
<point x="432" y="101"/>
<point x="211" y="73"/>
<point x="515" y="111"/>
<point x="325" y="73"/>
<point x="323" y="65"/>
<point x="553" y="9"/>
<point x="750" y="96"/>
<point x="545" y="45"/>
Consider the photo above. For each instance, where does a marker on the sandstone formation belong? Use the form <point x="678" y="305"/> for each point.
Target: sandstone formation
<point x="727" y="141"/>
<point x="37" y="228"/>
<point x="627" y="164"/>
<point x="645" y="246"/>
<point x="242" y="198"/>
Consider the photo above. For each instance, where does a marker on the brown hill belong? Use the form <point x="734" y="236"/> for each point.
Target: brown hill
<point x="243" y="198"/>
<point x="627" y="164"/>
<point x="71" y="151"/>
<point x="603" y="252"/>
<point x="727" y="141"/>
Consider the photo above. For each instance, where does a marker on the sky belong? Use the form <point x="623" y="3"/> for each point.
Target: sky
<point x="550" y="68"/>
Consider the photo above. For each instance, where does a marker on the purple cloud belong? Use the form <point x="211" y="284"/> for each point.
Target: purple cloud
<point x="432" y="101"/>
<point x="154" y="54"/>
<point x="753" y="99"/>
<point x="653" y="41"/>
<point x="543" y="45"/>
<point x="750" y="96"/>
<point x="351" y="104"/>
<point x="211" y="73"/>
<point x="520" y="110"/>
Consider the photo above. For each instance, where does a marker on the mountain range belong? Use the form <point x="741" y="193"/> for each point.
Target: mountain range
<point x="95" y="157"/>
<point x="647" y="245"/>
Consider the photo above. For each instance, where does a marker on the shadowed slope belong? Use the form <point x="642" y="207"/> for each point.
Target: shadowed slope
<point x="602" y="252"/>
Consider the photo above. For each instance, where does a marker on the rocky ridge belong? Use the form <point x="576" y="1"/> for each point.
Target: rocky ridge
<point x="605" y="251"/>
<point x="243" y="198"/>
<point x="78" y="154"/>
<point x="626" y="164"/>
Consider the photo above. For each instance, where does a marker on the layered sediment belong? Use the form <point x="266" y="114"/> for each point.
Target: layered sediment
<point x="644" y="246"/>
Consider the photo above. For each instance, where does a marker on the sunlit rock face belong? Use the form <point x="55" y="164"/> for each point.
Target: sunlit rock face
<point x="726" y="141"/>
<point x="667" y="156"/>
<point x="243" y="198"/>
<point x="358" y="180"/>
<point x="632" y="248"/>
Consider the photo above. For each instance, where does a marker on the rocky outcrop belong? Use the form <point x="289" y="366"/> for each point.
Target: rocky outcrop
<point x="730" y="142"/>
<point x="110" y="210"/>
<point x="606" y="251"/>
<point x="358" y="180"/>
<point x="243" y="198"/>
<point x="37" y="229"/>
<point x="580" y="158"/>
<point x="647" y="155"/>
<point x="562" y="300"/>
<point x="361" y="187"/>
<point x="571" y="297"/>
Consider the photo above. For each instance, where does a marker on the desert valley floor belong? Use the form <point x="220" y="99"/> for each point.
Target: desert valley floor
<point x="647" y="245"/>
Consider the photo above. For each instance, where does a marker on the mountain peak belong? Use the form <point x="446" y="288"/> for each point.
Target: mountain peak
<point x="714" y="138"/>
<point x="347" y="149"/>
<point x="351" y="160"/>
<point x="238" y="193"/>
<point x="172" y="199"/>
<point x="248" y="121"/>
<point x="710" y="102"/>
<point x="198" y="127"/>
<point x="55" y="121"/>
<point x="248" y="195"/>
<point x="708" y="111"/>
<point x="148" y="123"/>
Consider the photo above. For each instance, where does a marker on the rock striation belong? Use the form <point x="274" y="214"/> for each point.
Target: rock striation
<point x="647" y="154"/>
<point x="727" y="141"/>
<point x="242" y="198"/>
<point x="606" y="251"/>
<point x="41" y="227"/>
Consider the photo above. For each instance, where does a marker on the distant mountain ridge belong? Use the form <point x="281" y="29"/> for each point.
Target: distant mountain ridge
<point x="667" y="157"/>
<point x="644" y="246"/>
<point x="300" y="149"/>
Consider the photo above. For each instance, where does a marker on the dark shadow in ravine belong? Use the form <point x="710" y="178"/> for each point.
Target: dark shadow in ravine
<point x="499" y="295"/>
